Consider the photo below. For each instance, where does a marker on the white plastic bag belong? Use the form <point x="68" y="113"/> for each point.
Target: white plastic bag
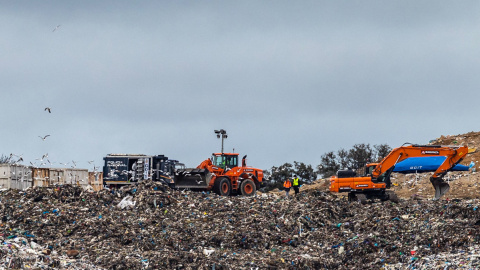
<point x="126" y="202"/>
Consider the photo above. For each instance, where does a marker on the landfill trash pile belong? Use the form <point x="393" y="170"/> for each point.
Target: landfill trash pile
<point x="148" y="226"/>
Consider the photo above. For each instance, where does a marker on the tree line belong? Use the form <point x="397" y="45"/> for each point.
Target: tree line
<point x="355" y="158"/>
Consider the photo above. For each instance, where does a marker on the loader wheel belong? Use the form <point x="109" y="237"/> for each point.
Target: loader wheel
<point x="222" y="186"/>
<point x="248" y="187"/>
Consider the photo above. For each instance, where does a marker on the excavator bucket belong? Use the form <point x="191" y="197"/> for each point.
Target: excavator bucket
<point x="440" y="187"/>
<point x="192" y="178"/>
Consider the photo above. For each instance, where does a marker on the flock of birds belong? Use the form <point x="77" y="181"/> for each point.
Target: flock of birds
<point x="23" y="172"/>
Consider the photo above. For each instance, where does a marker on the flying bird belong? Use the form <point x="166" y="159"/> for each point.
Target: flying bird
<point x="48" y="109"/>
<point x="44" y="137"/>
<point x="56" y="27"/>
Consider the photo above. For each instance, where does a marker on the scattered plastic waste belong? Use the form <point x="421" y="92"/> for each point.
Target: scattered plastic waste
<point x="148" y="226"/>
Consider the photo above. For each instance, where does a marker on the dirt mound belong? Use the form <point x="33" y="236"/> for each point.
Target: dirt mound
<point x="463" y="185"/>
<point x="471" y="139"/>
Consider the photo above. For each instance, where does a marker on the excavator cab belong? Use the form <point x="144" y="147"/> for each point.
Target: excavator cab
<point x="383" y="178"/>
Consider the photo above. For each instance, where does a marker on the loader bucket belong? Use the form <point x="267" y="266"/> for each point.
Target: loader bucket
<point x="440" y="187"/>
<point x="192" y="178"/>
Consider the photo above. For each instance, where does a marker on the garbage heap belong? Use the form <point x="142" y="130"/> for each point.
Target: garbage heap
<point x="149" y="226"/>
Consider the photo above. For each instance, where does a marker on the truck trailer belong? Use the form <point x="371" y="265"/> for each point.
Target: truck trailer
<point x="126" y="169"/>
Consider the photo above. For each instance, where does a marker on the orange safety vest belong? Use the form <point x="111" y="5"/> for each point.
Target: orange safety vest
<point x="287" y="184"/>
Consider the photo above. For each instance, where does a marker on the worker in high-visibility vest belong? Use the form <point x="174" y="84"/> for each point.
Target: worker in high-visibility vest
<point x="295" y="185"/>
<point x="287" y="185"/>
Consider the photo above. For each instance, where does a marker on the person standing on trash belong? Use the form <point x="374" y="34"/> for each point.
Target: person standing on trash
<point x="295" y="185"/>
<point x="287" y="185"/>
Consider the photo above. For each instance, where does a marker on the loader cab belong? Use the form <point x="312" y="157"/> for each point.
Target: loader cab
<point x="225" y="160"/>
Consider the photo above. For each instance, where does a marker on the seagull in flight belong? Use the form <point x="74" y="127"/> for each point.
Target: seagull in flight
<point x="44" y="137"/>
<point x="48" y="109"/>
<point x="56" y="27"/>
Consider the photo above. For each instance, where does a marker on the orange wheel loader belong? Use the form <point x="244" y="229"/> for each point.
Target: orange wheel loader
<point x="222" y="174"/>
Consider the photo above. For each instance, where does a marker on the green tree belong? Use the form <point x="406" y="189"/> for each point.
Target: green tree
<point x="328" y="165"/>
<point x="268" y="182"/>
<point x="267" y="174"/>
<point x="282" y="172"/>
<point x="343" y="159"/>
<point x="355" y="158"/>
<point x="305" y="172"/>
<point x="381" y="151"/>
<point x="360" y="155"/>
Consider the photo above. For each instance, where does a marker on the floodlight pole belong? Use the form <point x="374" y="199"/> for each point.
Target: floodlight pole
<point x="222" y="145"/>
<point x="221" y="134"/>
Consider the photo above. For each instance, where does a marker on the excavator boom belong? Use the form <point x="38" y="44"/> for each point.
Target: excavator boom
<point x="453" y="154"/>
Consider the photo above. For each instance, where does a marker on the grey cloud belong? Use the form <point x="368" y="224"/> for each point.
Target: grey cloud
<point x="289" y="81"/>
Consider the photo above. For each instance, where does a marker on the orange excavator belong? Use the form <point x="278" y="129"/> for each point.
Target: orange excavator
<point x="376" y="179"/>
<point x="221" y="174"/>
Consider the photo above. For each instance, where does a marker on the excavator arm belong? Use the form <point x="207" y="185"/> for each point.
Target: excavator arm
<point x="453" y="154"/>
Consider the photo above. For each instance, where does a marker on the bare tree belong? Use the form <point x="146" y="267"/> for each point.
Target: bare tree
<point x="6" y="159"/>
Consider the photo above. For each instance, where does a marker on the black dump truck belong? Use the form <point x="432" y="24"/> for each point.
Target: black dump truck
<point x="125" y="169"/>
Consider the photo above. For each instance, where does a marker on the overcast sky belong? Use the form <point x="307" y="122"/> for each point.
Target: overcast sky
<point x="288" y="80"/>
